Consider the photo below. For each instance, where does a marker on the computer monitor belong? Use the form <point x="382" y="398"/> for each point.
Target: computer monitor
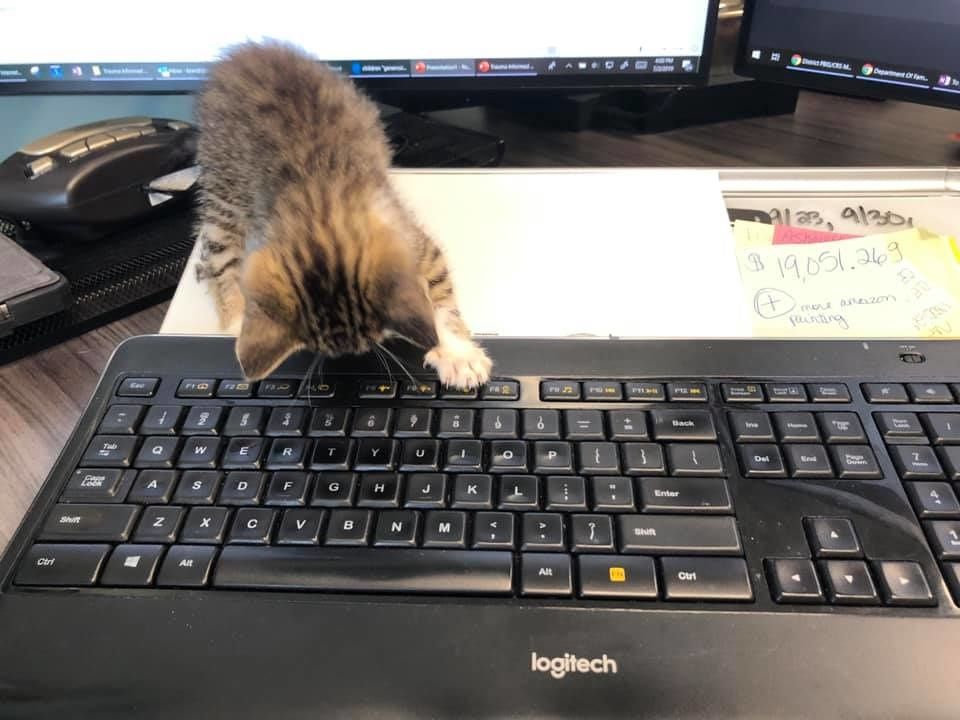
<point x="877" y="48"/>
<point x="114" y="46"/>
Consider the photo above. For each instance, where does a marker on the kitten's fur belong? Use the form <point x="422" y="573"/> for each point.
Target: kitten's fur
<point x="305" y="243"/>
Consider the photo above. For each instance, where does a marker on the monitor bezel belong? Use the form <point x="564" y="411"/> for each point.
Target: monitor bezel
<point x="827" y="83"/>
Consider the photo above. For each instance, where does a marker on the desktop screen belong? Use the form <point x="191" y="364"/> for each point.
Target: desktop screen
<point x="887" y="48"/>
<point x="115" y="45"/>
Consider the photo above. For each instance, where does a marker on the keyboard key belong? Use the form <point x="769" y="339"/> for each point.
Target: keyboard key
<point x="849" y="582"/>
<point x="331" y="454"/>
<point x="552" y="457"/>
<point x="751" y="426"/>
<point x="493" y="530"/>
<point x="603" y="391"/>
<point x="598" y="458"/>
<point x="328" y="422"/>
<point x="159" y="524"/>
<point x="742" y="392"/>
<point x="689" y="391"/>
<point x="200" y="452"/>
<point x="566" y="493"/>
<point x="786" y="392"/>
<point x="197" y="488"/>
<point x="420" y="455"/>
<point x="93" y="485"/>
<point x="828" y="392"/>
<point x="644" y="392"/>
<point x="291" y="453"/>
<point x="426" y="490"/>
<point x="132" y="566"/>
<point x="152" y="487"/>
<point x="245" y="421"/>
<point x="761" y="461"/>
<point x="121" y="419"/>
<point x="559" y="390"/>
<point x="628" y="425"/>
<point x="413" y="423"/>
<point x="686" y="459"/>
<point x="287" y="422"/>
<point x="372" y="422"/>
<point x="545" y="575"/>
<point x="335" y="489"/>
<point x="110" y="451"/>
<point x="903" y="583"/>
<point x="612" y="494"/>
<point x="885" y="393"/>
<point x="643" y="459"/>
<point x="379" y="490"/>
<point x="541" y="424"/>
<point x="612" y="576"/>
<point x="944" y="538"/>
<point x="242" y="488"/>
<point x="916" y="462"/>
<point x="933" y="499"/>
<point x="288" y="489"/>
<point x="832" y="537"/>
<point x="543" y="532"/>
<point x="89" y="523"/>
<point x="456" y="393"/>
<point x="498" y="424"/>
<point x="138" y="387"/>
<point x="419" y="390"/>
<point x="855" y="462"/>
<point x="692" y="425"/>
<point x="684" y="495"/>
<point x="377" y="390"/>
<point x="300" y="527"/>
<point x="808" y="461"/>
<point x="157" y="452"/>
<point x="583" y="424"/>
<point x="951" y="572"/>
<point x="793" y="580"/>
<point x="796" y="427"/>
<point x="277" y="389"/>
<point x="591" y="533"/>
<point x="501" y="390"/>
<point x="187" y="566"/>
<point x="950" y="458"/>
<point x="456" y="424"/>
<point x="930" y="393"/>
<point x="445" y="530"/>
<point x="375" y="454"/>
<point x="508" y="456"/>
<point x="942" y="428"/>
<point x="202" y="420"/>
<point x="519" y="492"/>
<point x="205" y="525"/>
<point x="706" y="579"/>
<point x="472" y="492"/>
<point x="243" y="453"/>
<point x="162" y="420"/>
<point x="317" y="389"/>
<point x="235" y="389"/>
<point x="899" y="425"/>
<point x="678" y="535"/>
<point x="397" y="528"/>
<point x="841" y="427"/>
<point x="53" y="564"/>
<point x="464" y="456"/>
<point x="196" y="388"/>
<point x="372" y="571"/>
<point x="252" y="526"/>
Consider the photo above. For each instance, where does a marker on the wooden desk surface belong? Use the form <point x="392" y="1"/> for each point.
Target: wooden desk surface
<point x="42" y="396"/>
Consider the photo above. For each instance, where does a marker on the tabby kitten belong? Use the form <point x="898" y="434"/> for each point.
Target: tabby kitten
<point x="305" y="244"/>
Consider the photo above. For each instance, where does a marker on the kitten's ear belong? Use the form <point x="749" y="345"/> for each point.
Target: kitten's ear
<point x="411" y="312"/>
<point x="262" y="344"/>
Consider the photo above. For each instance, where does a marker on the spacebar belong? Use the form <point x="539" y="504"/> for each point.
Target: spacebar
<point x="447" y="572"/>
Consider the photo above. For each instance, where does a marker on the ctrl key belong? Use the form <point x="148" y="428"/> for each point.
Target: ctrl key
<point x="54" y="564"/>
<point x="706" y="579"/>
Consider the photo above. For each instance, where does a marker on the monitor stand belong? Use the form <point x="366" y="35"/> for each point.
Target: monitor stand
<point x="421" y="142"/>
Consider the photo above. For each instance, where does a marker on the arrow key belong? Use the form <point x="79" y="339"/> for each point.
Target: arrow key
<point x="543" y="532"/>
<point x="793" y="580"/>
<point x="832" y="537"/>
<point x="849" y="582"/>
<point x="903" y="583"/>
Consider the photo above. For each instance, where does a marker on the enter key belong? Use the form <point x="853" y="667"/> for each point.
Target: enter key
<point x="684" y="495"/>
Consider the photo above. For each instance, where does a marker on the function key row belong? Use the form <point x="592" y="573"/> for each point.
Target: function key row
<point x="923" y="393"/>
<point x="753" y="392"/>
<point x="614" y="391"/>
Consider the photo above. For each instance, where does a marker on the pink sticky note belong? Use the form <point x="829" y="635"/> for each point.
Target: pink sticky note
<point x="790" y="235"/>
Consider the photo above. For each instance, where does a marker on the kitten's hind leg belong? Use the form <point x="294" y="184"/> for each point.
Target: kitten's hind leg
<point x="458" y="360"/>
<point x="221" y="258"/>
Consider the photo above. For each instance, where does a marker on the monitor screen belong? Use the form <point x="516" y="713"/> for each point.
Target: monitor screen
<point x="113" y="45"/>
<point x="896" y="49"/>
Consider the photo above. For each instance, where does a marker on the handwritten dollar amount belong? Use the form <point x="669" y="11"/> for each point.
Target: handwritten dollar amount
<point x="804" y="265"/>
<point x="858" y="215"/>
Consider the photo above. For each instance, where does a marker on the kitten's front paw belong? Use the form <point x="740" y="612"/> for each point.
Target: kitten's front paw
<point x="461" y="365"/>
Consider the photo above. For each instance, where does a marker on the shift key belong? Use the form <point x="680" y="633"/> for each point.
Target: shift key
<point x="679" y="535"/>
<point x="90" y="523"/>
